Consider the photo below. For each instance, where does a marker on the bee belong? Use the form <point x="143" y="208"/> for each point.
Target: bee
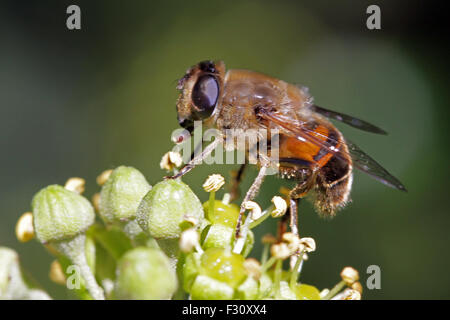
<point x="311" y="150"/>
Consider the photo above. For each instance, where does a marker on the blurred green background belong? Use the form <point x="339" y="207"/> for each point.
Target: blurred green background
<point x="73" y="103"/>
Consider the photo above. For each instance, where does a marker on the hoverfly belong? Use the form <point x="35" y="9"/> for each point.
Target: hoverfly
<point x="311" y="150"/>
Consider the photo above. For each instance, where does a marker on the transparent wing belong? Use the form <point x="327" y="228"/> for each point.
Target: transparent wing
<point x="365" y="163"/>
<point x="351" y="121"/>
<point x="360" y="159"/>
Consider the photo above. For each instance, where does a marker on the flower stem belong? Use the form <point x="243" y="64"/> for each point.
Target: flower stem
<point x="226" y="198"/>
<point x="266" y="213"/>
<point x="74" y="249"/>
<point x="212" y="199"/>
<point x="277" y="277"/>
<point x="265" y="253"/>
<point x="296" y="271"/>
<point x="335" y="290"/>
<point x="266" y="266"/>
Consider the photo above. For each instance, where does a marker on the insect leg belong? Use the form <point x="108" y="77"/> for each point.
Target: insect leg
<point x="296" y="195"/>
<point x="197" y="159"/>
<point x="282" y="227"/>
<point x="236" y="180"/>
<point x="251" y="194"/>
<point x="293" y="213"/>
<point x="196" y="149"/>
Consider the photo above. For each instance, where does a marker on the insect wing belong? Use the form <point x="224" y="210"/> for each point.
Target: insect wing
<point x="361" y="160"/>
<point x="365" y="163"/>
<point x="351" y="121"/>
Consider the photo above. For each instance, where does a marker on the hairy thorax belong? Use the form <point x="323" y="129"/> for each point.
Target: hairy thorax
<point x="247" y="92"/>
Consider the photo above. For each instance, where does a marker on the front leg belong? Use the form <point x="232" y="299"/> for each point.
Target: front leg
<point x="251" y="194"/>
<point x="197" y="159"/>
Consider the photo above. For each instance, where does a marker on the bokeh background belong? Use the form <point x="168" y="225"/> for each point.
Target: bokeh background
<point x="73" y="103"/>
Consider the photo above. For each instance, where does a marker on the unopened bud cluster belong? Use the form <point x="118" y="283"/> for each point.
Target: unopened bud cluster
<point x="161" y="242"/>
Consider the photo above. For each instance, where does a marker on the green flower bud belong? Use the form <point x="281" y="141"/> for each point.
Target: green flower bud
<point x="207" y="288"/>
<point x="223" y="265"/>
<point x="121" y="194"/>
<point x="248" y="290"/>
<point x="164" y="209"/>
<point x="218" y="236"/>
<point x="145" y="273"/>
<point x="225" y="214"/>
<point x="60" y="214"/>
<point x="306" y="292"/>
<point x="61" y="217"/>
<point x="221" y="236"/>
<point x="218" y="264"/>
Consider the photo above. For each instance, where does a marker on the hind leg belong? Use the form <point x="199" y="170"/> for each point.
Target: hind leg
<point x="295" y="195"/>
<point x="330" y="197"/>
<point x="293" y="215"/>
<point x="282" y="227"/>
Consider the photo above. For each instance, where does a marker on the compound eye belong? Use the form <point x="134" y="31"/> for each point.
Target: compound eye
<point x="205" y="95"/>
